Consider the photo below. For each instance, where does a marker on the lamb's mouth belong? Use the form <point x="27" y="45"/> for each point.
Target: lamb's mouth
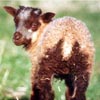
<point x="25" y="42"/>
<point x="19" y="40"/>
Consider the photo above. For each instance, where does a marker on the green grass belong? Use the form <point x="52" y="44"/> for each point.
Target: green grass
<point x="15" y="66"/>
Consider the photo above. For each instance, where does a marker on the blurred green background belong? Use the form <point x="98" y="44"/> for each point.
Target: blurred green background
<point x="15" y="65"/>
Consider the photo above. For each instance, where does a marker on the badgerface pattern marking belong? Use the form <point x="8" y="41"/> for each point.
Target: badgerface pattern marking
<point x="27" y="21"/>
<point x="60" y="48"/>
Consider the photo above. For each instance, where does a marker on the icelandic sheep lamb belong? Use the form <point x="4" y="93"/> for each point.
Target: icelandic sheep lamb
<point x="60" y="48"/>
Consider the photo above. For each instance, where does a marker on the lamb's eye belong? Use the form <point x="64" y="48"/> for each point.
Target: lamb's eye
<point x="34" y="25"/>
<point x="28" y="24"/>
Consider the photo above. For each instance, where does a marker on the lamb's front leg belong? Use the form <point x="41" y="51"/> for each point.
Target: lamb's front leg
<point x="42" y="89"/>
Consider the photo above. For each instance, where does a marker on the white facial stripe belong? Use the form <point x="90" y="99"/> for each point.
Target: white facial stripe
<point x="20" y="27"/>
<point x="24" y="14"/>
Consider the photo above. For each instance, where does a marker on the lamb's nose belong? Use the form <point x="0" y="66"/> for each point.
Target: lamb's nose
<point x="17" y="36"/>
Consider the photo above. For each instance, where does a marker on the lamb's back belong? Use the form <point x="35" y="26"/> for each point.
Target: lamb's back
<point x="70" y="30"/>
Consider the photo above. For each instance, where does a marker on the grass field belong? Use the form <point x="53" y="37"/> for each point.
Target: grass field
<point x="15" y="66"/>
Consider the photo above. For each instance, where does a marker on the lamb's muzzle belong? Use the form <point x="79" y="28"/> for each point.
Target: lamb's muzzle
<point x="17" y="39"/>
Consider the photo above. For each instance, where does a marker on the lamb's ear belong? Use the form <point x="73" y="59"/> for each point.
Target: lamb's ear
<point x="47" y="17"/>
<point x="12" y="11"/>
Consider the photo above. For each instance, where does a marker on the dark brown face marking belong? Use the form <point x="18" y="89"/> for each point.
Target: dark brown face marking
<point x="26" y="18"/>
<point x="27" y="21"/>
<point x="16" y="20"/>
<point x="32" y="23"/>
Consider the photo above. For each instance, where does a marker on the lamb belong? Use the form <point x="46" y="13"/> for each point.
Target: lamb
<point x="58" y="48"/>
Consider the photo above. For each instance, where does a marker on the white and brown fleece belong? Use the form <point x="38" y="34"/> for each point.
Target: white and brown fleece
<point x="60" y="48"/>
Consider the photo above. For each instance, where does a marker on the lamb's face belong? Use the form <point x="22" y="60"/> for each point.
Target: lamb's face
<point x="28" y="22"/>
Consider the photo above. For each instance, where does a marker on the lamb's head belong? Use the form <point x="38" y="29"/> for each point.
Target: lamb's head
<point x="29" y="23"/>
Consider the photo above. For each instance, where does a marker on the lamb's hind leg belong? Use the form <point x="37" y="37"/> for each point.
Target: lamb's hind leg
<point x="42" y="89"/>
<point x="69" y="81"/>
<point x="77" y="86"/>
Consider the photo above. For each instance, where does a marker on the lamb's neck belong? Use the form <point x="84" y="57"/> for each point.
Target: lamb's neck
<point x="35" y="51"/>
